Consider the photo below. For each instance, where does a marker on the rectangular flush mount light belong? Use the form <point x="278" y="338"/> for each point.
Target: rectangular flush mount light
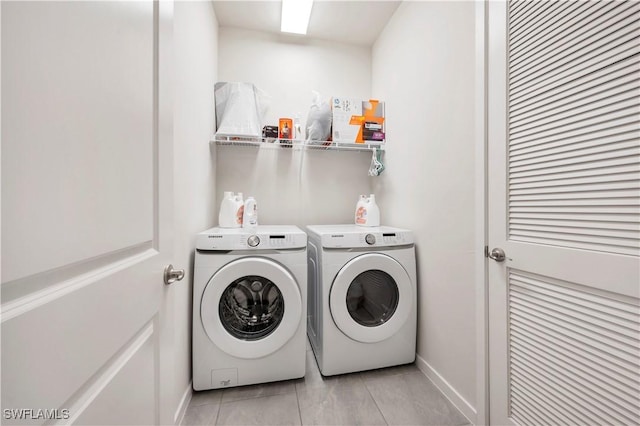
<point x="295" y="16"/>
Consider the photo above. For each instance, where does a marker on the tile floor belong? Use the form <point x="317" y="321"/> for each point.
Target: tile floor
<point x="391" y="396"/>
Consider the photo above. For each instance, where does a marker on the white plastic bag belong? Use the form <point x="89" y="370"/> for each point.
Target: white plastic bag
<point x="318" y="126"/>
<point x="239" y="109"/>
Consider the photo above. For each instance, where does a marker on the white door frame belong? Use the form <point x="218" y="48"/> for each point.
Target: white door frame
<point x="163" y="91"/>
<point x="481" y="203"/>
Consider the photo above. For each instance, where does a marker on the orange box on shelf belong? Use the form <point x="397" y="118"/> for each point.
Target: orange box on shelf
<point x="286" y="128"/>
<point x="371" y="123"/>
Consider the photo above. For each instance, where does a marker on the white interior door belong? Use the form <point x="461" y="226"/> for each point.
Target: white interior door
<point x="564" y="193"/>
<point x="86" y="211"/>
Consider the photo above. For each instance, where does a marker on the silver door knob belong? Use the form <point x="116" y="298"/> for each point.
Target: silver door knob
<point x="172" y="275"/>
<point x="497" y="254"/>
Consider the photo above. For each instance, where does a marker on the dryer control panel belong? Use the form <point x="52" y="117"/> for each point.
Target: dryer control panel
<point x="348" y="236"/>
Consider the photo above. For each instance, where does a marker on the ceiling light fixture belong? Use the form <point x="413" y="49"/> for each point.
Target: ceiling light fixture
<point x="295" y="16"/>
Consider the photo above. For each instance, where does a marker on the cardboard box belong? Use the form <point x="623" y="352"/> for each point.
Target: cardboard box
<point x="269" y="133"/>
<point x="357" y="121"/>
<point x="342" y="111"/>
<point x="372" y="122"/>
<point x="286" y="131"/>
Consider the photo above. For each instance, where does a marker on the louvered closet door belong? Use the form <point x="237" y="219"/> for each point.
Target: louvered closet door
<point x="564" y="204"/>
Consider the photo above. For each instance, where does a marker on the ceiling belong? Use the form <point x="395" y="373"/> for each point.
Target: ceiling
<point x="356" y="22"/>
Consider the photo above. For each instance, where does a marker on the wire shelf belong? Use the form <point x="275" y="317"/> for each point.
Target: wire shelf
<point x="273" y="143"/>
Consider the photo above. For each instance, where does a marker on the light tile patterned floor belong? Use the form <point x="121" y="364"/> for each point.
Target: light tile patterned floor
<point x="391" y="396"/>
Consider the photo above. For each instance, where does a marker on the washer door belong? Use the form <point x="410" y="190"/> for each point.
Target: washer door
<point x="371" y="298"/>
<point x="251" y="307"/>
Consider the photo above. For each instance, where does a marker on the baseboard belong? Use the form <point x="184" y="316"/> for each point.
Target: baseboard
<point x="184" y="403"/>
<point x="452" y="395"/>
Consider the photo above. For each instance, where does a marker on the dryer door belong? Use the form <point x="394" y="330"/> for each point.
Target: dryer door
<point x="251" y="307"/>
<point x="371" y="297"/>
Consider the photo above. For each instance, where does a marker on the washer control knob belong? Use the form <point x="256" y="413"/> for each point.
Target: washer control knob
<point x="370" y="239"/>
<point x="253" y="241"/>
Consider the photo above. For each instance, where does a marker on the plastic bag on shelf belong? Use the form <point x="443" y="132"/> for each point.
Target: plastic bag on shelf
<point x="318" y="126"/>
<point x="239" y="109"/>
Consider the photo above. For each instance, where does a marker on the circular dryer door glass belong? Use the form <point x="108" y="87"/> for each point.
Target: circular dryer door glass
<point x="372" y="298"/>
<point x="251" y="307"/>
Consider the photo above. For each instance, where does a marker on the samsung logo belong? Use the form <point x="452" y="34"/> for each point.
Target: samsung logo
<point x="337" y="236"/>
<point x="215" y="236"/>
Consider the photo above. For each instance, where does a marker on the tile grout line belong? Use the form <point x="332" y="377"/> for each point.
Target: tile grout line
<point x="298" y="401"/>
<point x="364" y="382"/>
<point x="257" y="397"/>
<point x="215" y="422"/>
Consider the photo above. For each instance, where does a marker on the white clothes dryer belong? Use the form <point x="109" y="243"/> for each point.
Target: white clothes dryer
<point x="249" y="306"/>
<point x="362" y="297"/>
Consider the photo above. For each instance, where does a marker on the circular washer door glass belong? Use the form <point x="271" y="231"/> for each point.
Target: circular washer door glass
<point x="251" y="307"/>
<point x="242" y="307"/>
<point x="372" y="298"/>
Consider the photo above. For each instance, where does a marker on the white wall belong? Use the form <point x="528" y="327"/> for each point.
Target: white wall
<point x="293" y="187"/>
<point x="195" y="38"/>
<point x="423" y="67"/>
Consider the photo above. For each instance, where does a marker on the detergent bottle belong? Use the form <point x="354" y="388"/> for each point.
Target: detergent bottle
<point x="227" y="214"/>
<point x="360" y="212"/>
<point x="250" y="217"/>
<point x="239" y="210"/>
<point x="373" y="211"/>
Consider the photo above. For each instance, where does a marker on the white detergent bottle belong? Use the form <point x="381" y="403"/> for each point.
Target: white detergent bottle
<point x="373" y="212"/>
<point x="360" y="212"/>
<point x="238" y="211"/>
<point x="226" y="216"/>
<point x="250" y="218"/>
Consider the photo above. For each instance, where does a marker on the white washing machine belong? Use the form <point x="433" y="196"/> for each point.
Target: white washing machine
<point x="362" y="297"/>
<point x="249" y="306"/>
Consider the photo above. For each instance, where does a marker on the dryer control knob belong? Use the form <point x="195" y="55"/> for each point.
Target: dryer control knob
<point x="370" y="239"/>
<point x="253" y="241"/>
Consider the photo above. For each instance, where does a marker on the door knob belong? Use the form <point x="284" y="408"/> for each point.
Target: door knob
<point x="497" y="254"/>
<point x="172" y="275"/>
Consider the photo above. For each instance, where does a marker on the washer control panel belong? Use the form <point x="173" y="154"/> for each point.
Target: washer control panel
<point x="270" y="241"/>
<point x="274" y="237"/>
<point x="370" y="239"/>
